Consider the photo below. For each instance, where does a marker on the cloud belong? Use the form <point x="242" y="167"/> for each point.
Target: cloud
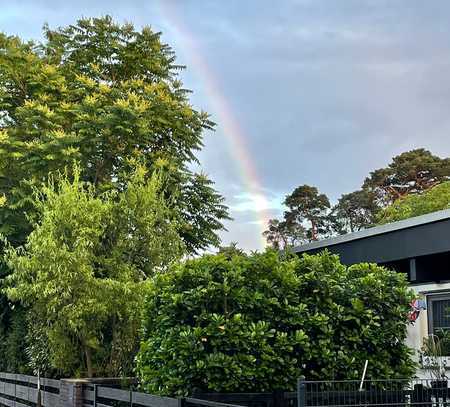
<point x="247" y="202"/>
<point x="325" y="91"/>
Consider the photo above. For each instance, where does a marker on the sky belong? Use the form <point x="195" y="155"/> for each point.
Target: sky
<point x="315" y="92"/>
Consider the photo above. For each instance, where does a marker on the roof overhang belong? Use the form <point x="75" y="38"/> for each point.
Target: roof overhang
<point x="413" y="237"/>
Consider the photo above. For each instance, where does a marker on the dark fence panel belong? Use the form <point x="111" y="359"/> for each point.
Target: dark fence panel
<point x="374" y="393"/>
<point x="274" y="399"/>
<point x="21" y="391"/>
<point x="107" y="396"/>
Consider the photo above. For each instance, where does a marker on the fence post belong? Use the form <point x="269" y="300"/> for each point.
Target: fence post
<point x="131" y="396"/>
<point x="278" y="398"/>
<point x="301" y="392"/>
<point x="95" y="395"/>
<point x="182" y="402"/>
<point x="71" y="392"/>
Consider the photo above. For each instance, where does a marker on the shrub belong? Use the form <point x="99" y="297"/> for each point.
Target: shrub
<point x="258" y="322"/>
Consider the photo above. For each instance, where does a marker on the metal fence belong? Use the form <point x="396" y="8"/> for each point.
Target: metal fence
<point x="273" y="399"/>
<point x="373" y="393"/>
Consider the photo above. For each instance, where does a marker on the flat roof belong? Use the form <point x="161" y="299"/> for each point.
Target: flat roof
<point x="377" y="230"/>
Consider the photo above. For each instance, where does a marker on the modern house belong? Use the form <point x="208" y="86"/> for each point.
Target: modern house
<point x="418" y="247"/>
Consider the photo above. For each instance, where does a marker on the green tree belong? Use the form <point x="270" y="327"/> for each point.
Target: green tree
<point x="107" y="96"/>
<point x="256" y="323"/>
<point x="353" y="212"/>
<point x="306" y="204"/>
<point x="411" y="172"/>
<point x="435" y="199"/>
<point x="84" y="266"/>
<point x="231" y="250"/>
<point x="284" y="234"/>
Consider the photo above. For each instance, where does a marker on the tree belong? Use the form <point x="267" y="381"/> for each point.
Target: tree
<point x="284" y="234"/>
<point x="306" y="204"/>
<point x="83" y="268"/>
<point x="435" y="199"/>
<point x="258" y="322"/>
<point x="108" y="97"/>
<point x="411" y="172"/>
<point x="231" y="250"/>
<point x="353" y="212"/>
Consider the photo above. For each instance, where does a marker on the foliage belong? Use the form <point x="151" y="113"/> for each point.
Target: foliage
<point x="37" y="350"/>
<point x="284" y="234"/>
<point x="354" y="211"/>
<point x="14" y="346"/>
<point x="83" y="268"/>
<point x="306" y="204"/>
<point x="435" y="199"/>
<point x="434" y="348"/>
<point x="108" y="97"/>
<point x="231" y="250"/>
<point x="411" y="172"/>
<point x="256" y="323"/>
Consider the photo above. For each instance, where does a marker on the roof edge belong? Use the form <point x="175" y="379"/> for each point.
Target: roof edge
<point x="376" y="230"/>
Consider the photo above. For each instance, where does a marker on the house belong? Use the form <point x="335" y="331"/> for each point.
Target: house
<point x="418" y="247"/>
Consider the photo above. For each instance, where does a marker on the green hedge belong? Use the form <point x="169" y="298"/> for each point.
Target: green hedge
<point x="256" y="323"/>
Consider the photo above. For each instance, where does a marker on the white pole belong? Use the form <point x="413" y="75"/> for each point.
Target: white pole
<point x="363" y="375"/>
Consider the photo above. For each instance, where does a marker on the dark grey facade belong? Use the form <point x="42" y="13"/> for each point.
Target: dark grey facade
<point x="418" y="246"/>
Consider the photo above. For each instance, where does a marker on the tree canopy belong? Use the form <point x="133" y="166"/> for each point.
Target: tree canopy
<point x="435" y="199"/>
<point x="306" y="204"/>
<point x="256" y="323"/>
<point x="107" y="96"/>
<point x="411" y="172"/>
<point x="354" y="211"/>
<point x="284" y="234"/>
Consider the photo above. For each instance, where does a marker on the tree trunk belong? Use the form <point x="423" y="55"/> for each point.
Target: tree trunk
<point x="88" y="354"/>
<point x="313" y="230"/>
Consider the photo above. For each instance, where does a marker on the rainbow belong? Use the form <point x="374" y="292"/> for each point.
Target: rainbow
<point x="232" y="130"/>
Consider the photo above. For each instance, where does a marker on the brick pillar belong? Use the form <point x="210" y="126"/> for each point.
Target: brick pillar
<point x="71" y="390"/>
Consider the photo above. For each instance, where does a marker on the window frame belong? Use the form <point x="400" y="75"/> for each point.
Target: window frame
<point x="430" y="299"/>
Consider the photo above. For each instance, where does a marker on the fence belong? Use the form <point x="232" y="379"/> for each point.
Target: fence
<point x="21" y="391"/>
<point x="274" y="399"/>
<point x="374" y="393"/>
<point x="104" y="396"/>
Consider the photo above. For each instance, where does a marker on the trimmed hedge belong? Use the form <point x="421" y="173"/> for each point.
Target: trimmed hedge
<point x="256" y="323"/>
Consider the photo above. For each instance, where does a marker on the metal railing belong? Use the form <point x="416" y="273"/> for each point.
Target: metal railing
<point x="374" y="393"/>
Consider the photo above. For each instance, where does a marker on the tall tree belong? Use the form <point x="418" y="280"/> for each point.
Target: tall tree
<point x="306" y="204"/>
<point x="83" y="268"/>
<point x="107" y="96"/>
<point x="284" y="234"/>
<point x="353" y="212"/>
<point x="411" y="172"/>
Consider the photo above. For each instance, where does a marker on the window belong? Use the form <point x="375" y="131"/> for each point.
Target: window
<point x="438" y="314"/>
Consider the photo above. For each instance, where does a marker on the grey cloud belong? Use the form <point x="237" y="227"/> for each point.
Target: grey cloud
<point x="324" y="91"/>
